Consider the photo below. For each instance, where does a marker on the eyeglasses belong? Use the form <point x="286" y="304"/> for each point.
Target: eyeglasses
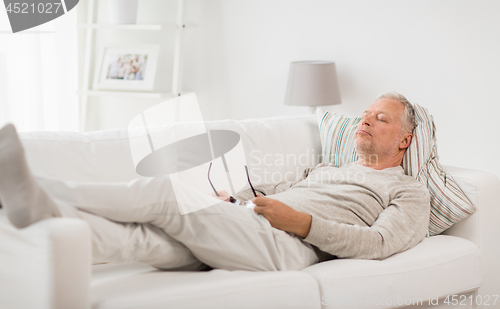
<point x="231" y="199"/>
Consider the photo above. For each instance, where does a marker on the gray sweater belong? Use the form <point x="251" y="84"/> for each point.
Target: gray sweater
<point x="357" y="211"/>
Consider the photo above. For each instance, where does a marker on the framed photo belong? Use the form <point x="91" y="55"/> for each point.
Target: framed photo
<point x="125" y="68"/>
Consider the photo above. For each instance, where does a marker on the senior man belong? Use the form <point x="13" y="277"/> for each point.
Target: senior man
<point x="368" y="209"/>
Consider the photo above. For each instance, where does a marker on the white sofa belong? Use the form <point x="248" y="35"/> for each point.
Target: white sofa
<point x="48" y="264"/>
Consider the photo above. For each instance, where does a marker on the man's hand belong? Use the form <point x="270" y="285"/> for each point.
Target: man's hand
<point x="282" y="216"/>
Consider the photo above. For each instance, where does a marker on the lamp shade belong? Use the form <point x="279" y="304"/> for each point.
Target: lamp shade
<point x="312" y="83"/>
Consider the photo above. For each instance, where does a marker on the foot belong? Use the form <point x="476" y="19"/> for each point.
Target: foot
<point x="24" y="201"/>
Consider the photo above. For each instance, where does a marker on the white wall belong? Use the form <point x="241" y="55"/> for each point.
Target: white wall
<point x="441" y="54"/>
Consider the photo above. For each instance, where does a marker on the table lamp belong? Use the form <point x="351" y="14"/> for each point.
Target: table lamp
<point x="313" y="84"/>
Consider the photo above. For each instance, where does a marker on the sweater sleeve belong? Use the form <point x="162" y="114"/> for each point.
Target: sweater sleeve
<point x="401" y="226"/>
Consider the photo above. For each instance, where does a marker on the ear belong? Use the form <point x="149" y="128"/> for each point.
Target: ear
<point x="405" y="140"/>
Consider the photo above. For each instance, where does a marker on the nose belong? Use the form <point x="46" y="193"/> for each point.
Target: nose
<point x="366" y="120"/>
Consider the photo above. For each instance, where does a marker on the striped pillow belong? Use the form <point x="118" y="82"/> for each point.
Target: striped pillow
<point x="337" y="137"/>
<point x="449" y="204"/>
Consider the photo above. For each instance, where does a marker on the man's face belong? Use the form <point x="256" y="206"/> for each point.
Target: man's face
<point x="379" y="131"/>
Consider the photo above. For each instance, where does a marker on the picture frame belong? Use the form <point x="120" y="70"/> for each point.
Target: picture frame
<point x="126" y="68"/>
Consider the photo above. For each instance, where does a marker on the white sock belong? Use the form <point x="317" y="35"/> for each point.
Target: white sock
<point x="24" y="201"/>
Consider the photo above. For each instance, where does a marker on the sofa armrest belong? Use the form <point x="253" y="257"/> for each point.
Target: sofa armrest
<point x="45" y="265"/>
<point x="482" y="227"/>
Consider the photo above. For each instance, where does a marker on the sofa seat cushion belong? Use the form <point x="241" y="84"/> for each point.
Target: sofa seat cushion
<point x="438" y="266"/>
<point x="136" y="285"/>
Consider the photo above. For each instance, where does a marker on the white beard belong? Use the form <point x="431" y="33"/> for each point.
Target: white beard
<point x="364" y="146"/>
<point x="367" y="148"/>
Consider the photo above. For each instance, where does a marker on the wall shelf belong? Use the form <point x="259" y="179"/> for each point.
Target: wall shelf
<point x="92" y="26"/>
<point x="126" y="27"/>
<point x="133" y="26"/>
<point x="156" y="95"/>
<point x="138" y="94"/>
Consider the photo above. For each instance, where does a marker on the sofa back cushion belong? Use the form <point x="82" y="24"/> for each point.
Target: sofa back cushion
<point x="276" y="149"/>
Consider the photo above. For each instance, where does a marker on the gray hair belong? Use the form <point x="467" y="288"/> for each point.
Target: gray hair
<point x="408" y="120"/>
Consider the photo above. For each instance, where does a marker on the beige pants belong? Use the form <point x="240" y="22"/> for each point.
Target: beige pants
<point x="140" y="221"/>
